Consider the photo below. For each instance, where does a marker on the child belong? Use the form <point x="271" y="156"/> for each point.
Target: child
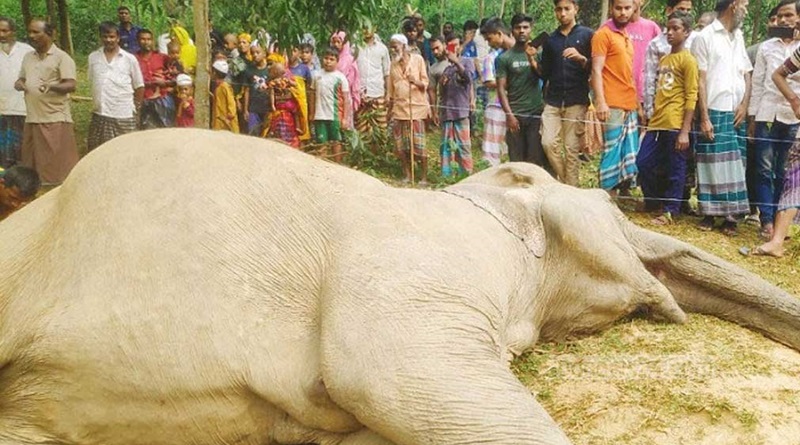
<point x="18" y="187"/>
<point x="255" y="102"/>
<point x="330" y="104"/>
<point x="662" y="156"/>
<point x="308" y="58"/>
<point x="223" y="115"/>
<point x="173" y="66"/>
<point x="184" y="116"/>
<point x="299" y="68"/>
<point x="284" y="122"/>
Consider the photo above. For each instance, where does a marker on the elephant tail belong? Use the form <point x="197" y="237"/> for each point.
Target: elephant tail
<point x="706" y="284"/>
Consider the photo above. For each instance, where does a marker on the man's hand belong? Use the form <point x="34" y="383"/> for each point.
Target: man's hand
<point x="512" y="123"/>
<point x="452" y="57"/>
<point x="531" y="50"/>
<point x="19" y="85"/>
<point x="573" y="55"/>
<point x="601" y="111"/>
<point x="706" y="128"/>
<point x="740" y="115"/>
<point x="682" y="144"/>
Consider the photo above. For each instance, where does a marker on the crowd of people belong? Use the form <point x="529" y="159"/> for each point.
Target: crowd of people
<point x="682" y="106"/>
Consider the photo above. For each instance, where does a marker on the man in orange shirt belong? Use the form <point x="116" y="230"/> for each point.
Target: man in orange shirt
<point x="616" y="102"/>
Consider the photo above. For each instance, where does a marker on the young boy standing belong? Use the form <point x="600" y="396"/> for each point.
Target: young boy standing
<point x="665" y="148"/>
<point x="330" y="104"/>
<point x="223" y="113"/>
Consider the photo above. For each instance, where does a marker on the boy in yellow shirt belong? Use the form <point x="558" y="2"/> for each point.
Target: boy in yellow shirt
<point x="665" y="147"/>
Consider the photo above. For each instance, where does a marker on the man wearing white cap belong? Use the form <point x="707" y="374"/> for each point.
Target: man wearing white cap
<point x="408" y="105"/>
<point x="184" y="95"/>
<point x="117" y="88"/>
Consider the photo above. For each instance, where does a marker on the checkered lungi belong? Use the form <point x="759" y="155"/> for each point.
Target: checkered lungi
<point x="283" y="127"/>
<point x="103" y="128"/>
<point x="456" y="143"/>
<point x="11" y="128"/>
<point x="401" y="131"/>
<point x="618" y="160"/>
<point x="721" y="183"/>
<point x="494" y="134"/>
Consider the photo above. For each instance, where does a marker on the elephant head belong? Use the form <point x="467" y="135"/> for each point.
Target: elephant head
<point x="599" y="267"/>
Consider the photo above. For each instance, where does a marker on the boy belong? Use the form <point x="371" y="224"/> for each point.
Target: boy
<point x="184" y="103"/>
<point x="255" y="103"/>
<point x="18" y="186"/>
<point x="307" y="57"/>
<point x="223" y="115"/>
<point x="330" y="104"/>
<point x="662" y="156"/>
<point x="298" y="68"/>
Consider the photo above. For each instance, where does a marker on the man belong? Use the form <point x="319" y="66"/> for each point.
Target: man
<point x="457" y="99"/>
<point x="409" y="28"/>
<point x="408" y="105"/>
<point x="12" y="102"/>
<point x="448" y="28"/>
<point x="117" y="88"/>
<point x="373" y="67"/>
<point x="615" y="99"/>
<point x="470" y="48"/>
<point x="775" y="123"/>
<point x="494" y="126"/>
<point x="723" y="94"/>
<point x="566" y="64"/>
<point x="47" y="77"/>
<point x="658" y="48"/>
<point x="641" y="31"/>
<point x="128" y="32"/>
<point x="423" y="39"/>
<point x="158" y="107"/>
<point x="18" y="187"/>
<point x="520" y="95"/>
<point x="435" y="73"/>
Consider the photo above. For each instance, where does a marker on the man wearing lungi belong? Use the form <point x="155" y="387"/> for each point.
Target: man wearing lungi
<point x="47" y="77"/>
<point x="12" y="102"/>
<point x="723" y="96"/>
<point x="117" y="88"/>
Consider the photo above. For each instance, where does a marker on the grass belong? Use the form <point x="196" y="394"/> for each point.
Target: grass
<point x="640" y="382"/>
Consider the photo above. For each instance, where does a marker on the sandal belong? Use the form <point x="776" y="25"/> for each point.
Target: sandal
<point x="706" y="224"/>
<point x="663" y="220"/>
<point x="729" y="228"/>
<point x="758" y="251"/>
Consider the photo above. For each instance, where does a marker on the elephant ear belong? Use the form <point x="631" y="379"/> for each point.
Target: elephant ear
<point x="512" y="195"/>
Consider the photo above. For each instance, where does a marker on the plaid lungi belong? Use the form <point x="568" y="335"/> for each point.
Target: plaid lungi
<point x="456" y="141"/>
<point x="283" y="127"/>
<point x="10" y="139"/>
<point x="721" y="183"/>
<point x="494" y="134"/>
<point x="371" y="115"/>
<point x="618" y="160"/>
<point x="103" y="128"/>
<point x="401" y="130"/>
<point x="790" y="197"/>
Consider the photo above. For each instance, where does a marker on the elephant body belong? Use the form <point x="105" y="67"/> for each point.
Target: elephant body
<point x="197" y="287"/>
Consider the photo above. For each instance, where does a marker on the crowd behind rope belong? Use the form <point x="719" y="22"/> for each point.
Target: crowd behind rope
<point x="673" y="107"/>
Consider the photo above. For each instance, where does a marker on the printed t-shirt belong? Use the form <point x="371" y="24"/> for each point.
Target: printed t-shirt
<point x="330" y="87"/>
<point x="522" y="85"/>
<point x="676" y="90"/>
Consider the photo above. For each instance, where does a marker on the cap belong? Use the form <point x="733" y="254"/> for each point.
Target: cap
<point x="221" y="66"/>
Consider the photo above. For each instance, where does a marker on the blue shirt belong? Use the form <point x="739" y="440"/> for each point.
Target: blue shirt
<point x="470" y="50"/>
<point x="567" y="81"/>
<point x="302" y="70"/>
<point x="129" y="39"/>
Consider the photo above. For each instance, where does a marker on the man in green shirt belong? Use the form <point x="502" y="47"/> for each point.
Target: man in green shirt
<point x="520" y="94"/>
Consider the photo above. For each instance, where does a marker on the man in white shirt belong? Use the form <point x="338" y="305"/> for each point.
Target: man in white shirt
<point x="373" y="68"/>
<point x="775" y="123"/>
<point x="12" y="102"/>
<point x="117" y="88"/>
<point x="724" y="91"/>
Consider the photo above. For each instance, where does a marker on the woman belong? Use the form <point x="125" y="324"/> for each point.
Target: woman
<point x="348" y="66"/>
<point x="790" y="197"/>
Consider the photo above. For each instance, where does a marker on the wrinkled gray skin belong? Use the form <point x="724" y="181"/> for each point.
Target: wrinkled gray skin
<point x="194" y="287"/>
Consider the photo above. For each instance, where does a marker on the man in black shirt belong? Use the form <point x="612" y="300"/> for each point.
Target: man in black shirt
<point x="565" y="67"/>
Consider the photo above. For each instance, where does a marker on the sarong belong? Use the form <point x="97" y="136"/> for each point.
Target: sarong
<point x="10" y="139"/>
<point x="618" y="160"/>
<point x="494" y="135"/>
<point x="371" y="121"/>
<point x="402" y="135"/>
<point x="103" y="128"/>
<point x="157" y="113"/>
<point x="456" y="144"/>
<point x="790" y="197"/>
<point x="50" y="150"/>
<point x="721" y="183"/>
<point x="282" y="123"/>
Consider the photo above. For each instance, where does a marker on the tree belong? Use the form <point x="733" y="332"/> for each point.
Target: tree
<point x="202" y="92"/>
<point x="65" y="27"/>
<point x="26" y="11"/>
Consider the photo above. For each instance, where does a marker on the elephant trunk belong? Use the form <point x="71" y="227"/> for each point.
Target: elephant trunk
<point x="706" y="284"/>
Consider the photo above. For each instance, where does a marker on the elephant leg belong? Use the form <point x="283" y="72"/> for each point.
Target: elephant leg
<point x="428" y="374"/>
<point x="365" y="437"/>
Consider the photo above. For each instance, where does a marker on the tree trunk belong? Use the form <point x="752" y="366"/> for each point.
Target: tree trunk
<point x="51" y="12"/>
<point x="603" y="11"/>
<point x="202" y="92"/>
<point x="502" y="8"/>
<point x="481" y="4"/>
<point x="26" y="12"/>
<point x="442" y="6"/>
<point x="64" y="25"/>
<point x="524" y="6"/>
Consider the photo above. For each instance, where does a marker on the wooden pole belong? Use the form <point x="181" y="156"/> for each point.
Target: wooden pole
<point x="202" y="92"/>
